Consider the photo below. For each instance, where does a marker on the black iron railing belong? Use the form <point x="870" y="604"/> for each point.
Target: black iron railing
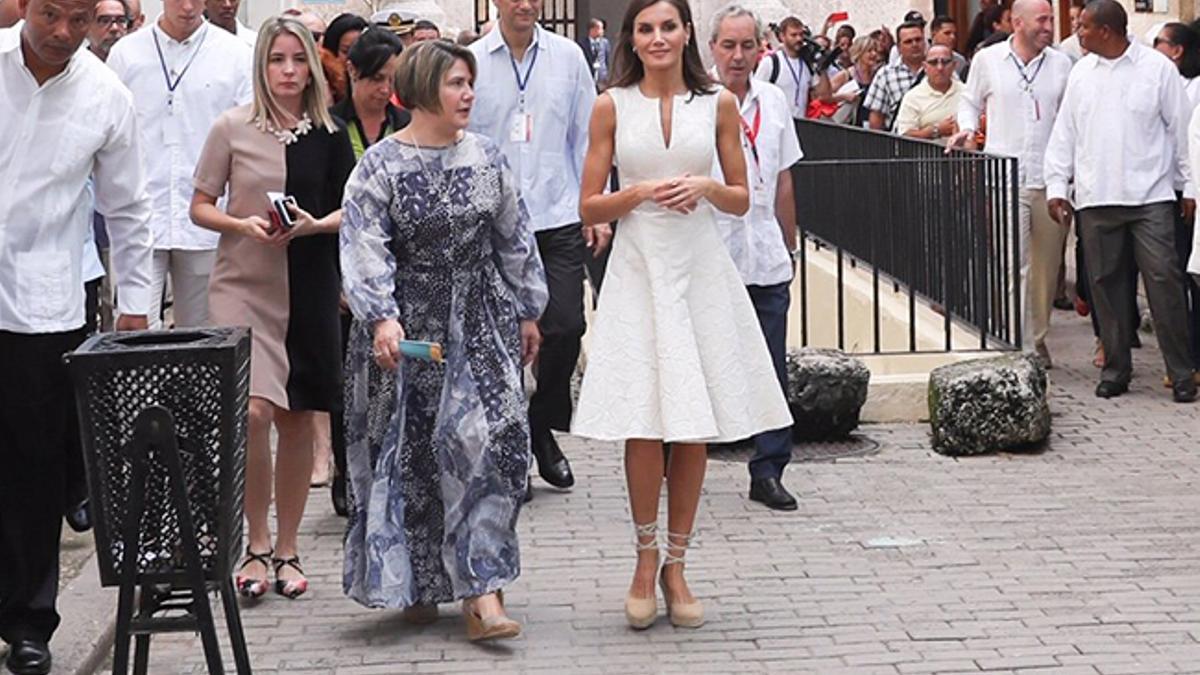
<point x="938" y="230"/>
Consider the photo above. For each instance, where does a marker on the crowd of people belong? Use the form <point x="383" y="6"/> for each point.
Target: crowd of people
<point x="363" y="188"/>
<point x="1006" y="96"/>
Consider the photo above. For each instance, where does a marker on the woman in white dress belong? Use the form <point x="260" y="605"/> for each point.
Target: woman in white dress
<point x="676" y="353"/>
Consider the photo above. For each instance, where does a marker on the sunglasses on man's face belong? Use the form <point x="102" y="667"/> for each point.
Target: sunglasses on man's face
<point x="1162" y="41"/>
<point x="107" y="21"/>
<point x="940" y="63"/>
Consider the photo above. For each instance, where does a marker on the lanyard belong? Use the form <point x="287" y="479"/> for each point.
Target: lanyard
<point x="522" y="83"/>
<point x="1027" y="80"/>
<point x="1027" y="83"/>
<point x="751" y="132"/>
<point x="795" y="75"/>
<point x="172" y="86"/>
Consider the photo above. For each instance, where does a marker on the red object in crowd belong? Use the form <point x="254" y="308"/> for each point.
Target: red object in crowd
<point x="335" y="74"/>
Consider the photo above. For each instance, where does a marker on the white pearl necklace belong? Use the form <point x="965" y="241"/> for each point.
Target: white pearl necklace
<point x="289" y="136"/>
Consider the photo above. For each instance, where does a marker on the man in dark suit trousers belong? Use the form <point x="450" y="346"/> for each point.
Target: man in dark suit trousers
<point x="597" y="51"/>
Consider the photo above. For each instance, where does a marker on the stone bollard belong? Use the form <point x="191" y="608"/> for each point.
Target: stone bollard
<point x="988" y="405"/>
<point x="826" y="390"/>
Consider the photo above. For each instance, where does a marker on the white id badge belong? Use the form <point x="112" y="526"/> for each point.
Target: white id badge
<point x="172" y="130"/>
<point x="1032" y="109"/>
<point x="521" y="130"/>
<point x="760" y="196"/>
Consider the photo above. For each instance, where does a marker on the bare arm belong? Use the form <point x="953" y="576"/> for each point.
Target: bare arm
<point x="307" y="224"/>
<point x="876" y="120"/>
<point x="822" y="90"/>
<point x="785" y="208"/>
<point x="733" y="196"/>
<point x="595" y="206"/>
<point x="204" y="212"/>
<point x="836" y="82"/>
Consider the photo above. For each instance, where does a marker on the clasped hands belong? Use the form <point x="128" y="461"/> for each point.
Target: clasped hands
<point x="266" y="232"/>
<point x="681" y="194"/>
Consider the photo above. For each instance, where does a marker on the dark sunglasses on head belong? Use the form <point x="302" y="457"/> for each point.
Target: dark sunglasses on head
<point x="107" y="21"/>
<point x="1160" y="41"/>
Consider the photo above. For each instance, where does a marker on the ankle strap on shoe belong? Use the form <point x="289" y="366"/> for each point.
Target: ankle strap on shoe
<point x="676" y="540"/>
<point x="643" y="531"/>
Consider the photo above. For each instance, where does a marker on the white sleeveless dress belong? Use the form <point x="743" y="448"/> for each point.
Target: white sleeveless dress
<point x="676" y="352"/>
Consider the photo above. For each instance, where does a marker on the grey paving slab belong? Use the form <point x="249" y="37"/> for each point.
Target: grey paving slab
<point x="1081" y="557"/>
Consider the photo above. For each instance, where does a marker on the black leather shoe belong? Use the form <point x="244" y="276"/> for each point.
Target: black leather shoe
<point x="1185" y="391"/>
<point x="337" y="492"/>
<point x="29" y="657"/>
<point x="528" y="489"/>
<point x="552" y="466"/>
<point x="1111" y="389"/>
<point x="770" y="491"/>
<point x="79" y="517"/>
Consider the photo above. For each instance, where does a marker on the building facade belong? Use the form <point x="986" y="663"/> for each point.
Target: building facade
<point x="866" y="15"/>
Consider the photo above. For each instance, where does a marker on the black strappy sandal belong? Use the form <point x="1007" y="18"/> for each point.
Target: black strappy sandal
<point x="289" y="589"/>
<point x="250" y="587"/>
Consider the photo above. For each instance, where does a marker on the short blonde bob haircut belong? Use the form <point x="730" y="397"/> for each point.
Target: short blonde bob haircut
<point x="265" y="109"/>
<point x="421" y="69"/>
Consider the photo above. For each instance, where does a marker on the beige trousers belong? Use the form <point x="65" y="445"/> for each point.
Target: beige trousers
<point x="1042" y="242"/>
<point x="189" y="271"/>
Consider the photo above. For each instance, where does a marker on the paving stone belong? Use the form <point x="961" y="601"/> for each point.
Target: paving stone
<point x="1080" y="558"/>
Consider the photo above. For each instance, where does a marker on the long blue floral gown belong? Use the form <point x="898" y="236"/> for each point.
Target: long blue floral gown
<point x="438" y="453"/>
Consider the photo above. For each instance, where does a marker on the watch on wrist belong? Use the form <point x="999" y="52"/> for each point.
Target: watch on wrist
<point x="937" y="133"/>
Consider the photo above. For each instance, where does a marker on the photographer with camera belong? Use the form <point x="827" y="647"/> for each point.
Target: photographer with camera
<point x="799" y="67"/>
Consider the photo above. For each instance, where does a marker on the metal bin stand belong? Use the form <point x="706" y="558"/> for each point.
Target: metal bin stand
<point x="163" y="422"/>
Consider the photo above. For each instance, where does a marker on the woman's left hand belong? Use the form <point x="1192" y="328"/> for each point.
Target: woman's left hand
<point x="303" y="224"/>
<point x="531" y="341"/>
<point x="682" y="194"/>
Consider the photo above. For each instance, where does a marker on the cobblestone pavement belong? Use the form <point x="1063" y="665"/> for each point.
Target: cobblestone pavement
<point x="1083" y="557"/>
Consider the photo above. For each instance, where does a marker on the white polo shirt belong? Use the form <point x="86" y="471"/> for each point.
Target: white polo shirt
<point x="755" y="240"/>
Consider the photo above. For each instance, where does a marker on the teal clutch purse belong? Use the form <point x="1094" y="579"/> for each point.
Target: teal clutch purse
<point x="426" y="351"/>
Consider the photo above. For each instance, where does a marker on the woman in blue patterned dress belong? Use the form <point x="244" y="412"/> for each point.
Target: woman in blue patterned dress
<point x="436" y="246"/>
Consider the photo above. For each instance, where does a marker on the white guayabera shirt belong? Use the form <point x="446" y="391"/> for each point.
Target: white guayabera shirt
<point x="755" y="240"/>
<point x="1121" y="132"/>
<point x="1021" y="101"/>
<point x="77" y="124"/>
<point x="210" y="71"/>
<point x="538" y="112"/>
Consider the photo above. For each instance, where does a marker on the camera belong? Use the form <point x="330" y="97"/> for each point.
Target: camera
<point x="812" y="52"/>
<point x="816" y="56"/>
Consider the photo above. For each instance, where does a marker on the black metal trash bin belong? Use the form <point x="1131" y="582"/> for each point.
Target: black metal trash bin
<point x="163" y="421"/>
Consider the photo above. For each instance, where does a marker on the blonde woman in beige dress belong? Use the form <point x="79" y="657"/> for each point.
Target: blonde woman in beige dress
<point x="281" y="282"/>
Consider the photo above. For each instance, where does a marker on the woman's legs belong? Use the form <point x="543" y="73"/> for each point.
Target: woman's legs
<point x="644" y="476"/>
<point x="685" y="477"/>
<point x="293" y="468"/>
<point x="258" y="477"/>
<point x="253" y="573"/>
<point x="322" y="449"/>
